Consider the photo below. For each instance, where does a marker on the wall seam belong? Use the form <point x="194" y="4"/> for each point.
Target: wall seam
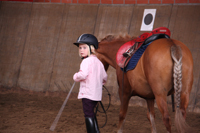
<point x="196" y="94"/>
<point x="174" y="20"/>
<point x="96" y="20"/>
<point x="170" y="17"/>
<point x="22" y="57"/>
<point x="129" y="28"/>
<point x="50" y="78"/>
<point x="0" y="13"/>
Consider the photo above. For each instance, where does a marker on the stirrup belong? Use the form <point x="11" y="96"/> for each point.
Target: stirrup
<point x="130" y="51"/>
<point x="126" y="54"/>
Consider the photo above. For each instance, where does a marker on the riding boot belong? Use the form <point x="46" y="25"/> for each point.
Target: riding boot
<point x="90" y="124"/>
<point x="96" y="125"/>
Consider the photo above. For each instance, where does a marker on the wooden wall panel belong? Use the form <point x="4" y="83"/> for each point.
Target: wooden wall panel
<point x="40" y="47"/>
<point x="14" y="21"/>
<point x="185" y="25"/>
<point x="114" y="1"/>
<point x="194" y="103"/>
<point x="113" y="20"/>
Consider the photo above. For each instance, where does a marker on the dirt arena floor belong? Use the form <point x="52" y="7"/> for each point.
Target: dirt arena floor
<point x="32" y="112"/>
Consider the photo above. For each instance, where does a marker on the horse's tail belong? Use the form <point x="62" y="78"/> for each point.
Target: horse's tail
<point x="180" y="123"/>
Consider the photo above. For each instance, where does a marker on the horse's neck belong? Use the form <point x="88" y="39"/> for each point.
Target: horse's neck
<point x="109" y="54"/>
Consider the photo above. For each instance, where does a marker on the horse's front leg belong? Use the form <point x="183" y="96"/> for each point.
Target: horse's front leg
<point x="123" y="110"/>
<point x="151" y="114"/>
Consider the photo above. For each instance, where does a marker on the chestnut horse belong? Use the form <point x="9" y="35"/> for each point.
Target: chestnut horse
<point x="166" y="67"/>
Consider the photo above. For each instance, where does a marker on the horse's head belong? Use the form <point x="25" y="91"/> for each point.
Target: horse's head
<point x="108" y="48"/>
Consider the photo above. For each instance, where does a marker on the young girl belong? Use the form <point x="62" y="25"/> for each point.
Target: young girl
<point x="91" y="76"/>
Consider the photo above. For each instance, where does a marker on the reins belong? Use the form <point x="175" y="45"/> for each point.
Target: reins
<point x="104" y="110"/>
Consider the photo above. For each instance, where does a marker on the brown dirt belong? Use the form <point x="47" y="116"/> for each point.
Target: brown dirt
<point x="33" y="112"/>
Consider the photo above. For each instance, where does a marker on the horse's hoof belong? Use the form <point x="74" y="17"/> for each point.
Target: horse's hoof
<point x="119" y="131"/>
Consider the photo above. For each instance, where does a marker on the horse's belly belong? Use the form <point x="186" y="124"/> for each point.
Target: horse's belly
<point x="142" y="90"/>
<point x="139" y="85"/>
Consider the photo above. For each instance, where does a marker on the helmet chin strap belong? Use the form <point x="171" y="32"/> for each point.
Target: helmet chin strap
<point x="90" y="49"/>
<point x="84" y="57"/>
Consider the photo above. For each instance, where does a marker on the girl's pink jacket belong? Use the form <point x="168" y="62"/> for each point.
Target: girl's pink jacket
<point x="92" y="76"/>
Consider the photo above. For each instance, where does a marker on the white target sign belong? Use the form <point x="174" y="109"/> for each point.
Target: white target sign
<point x="148" y="20"/>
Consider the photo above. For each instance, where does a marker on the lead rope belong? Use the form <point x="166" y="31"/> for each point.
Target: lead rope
<point x="104" y="110"/>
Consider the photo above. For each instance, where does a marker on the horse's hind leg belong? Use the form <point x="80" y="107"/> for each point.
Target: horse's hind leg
<point x="151" y="114"/>
<point x="184" y="103"/>
<point x="123" y="110"/>
<point x="185" y="92"/>
<point x="162" y="106"/>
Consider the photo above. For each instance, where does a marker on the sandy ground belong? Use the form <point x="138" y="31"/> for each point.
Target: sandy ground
<point x="33" y="112"/>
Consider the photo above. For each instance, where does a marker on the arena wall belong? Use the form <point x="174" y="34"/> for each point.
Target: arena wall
<point x="36" y="50"/>
<point x="124" y="2"/>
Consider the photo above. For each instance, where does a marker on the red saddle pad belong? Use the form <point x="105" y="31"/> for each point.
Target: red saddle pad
<point x="120" y="59"/>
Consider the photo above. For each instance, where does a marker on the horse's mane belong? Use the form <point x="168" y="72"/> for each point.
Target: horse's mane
<point x="112" y="38"/>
